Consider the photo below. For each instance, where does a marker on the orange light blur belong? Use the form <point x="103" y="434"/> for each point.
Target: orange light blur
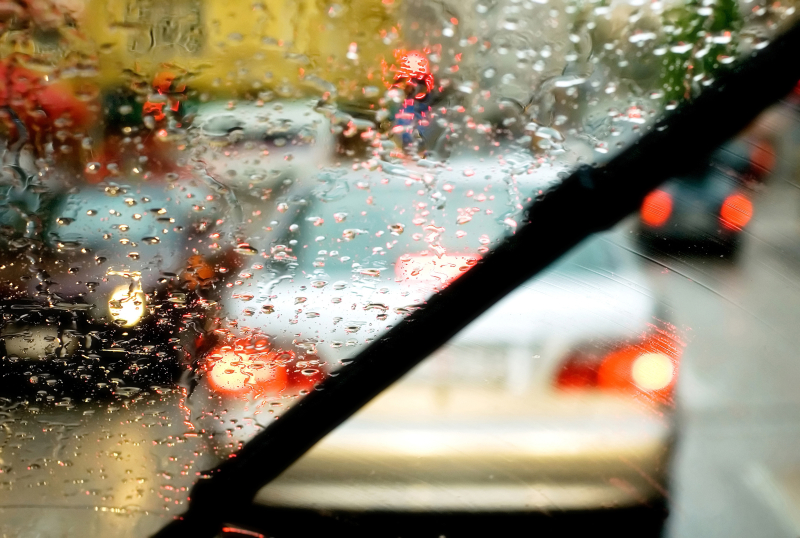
<point x="736" y="212"/>
<point x="163" y="81"/>
<point x="198" y="273"/>
<point x="154" y="109"/>
<point x="432" y="269"/>
<point x="656" y="208"/>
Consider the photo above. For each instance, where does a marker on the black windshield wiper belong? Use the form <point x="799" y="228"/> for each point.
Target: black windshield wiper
<point x="588" y="201"/>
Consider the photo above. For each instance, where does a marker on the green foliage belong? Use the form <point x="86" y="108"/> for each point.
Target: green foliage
<point x="691" y="26"/>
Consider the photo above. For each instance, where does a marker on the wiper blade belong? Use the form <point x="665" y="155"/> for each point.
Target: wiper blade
<point x="589" y="201"/>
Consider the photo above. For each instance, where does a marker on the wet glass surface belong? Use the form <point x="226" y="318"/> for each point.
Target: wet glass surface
<point x="206" y="209"/>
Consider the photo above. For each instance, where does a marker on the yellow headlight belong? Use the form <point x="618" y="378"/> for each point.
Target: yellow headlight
<point x="127" y="307"/>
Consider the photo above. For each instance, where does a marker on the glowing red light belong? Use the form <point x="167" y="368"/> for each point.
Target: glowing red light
<point x="305" y="377"/>
<point x="432" y="269"/>
<point x="615" y="370"/>
<point x="410" y="66"/>
<point x="646" y="370"/>
<point x="237" y="371"/>
<point x="414" y="63"/>
<point x="656" y="208"/>
<point x="577" y="373"/>
<point x="736" y="212"/>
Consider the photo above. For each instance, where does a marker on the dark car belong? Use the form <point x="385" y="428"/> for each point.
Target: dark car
<point x="115" y="277"/>
<point x="707" y="210"/>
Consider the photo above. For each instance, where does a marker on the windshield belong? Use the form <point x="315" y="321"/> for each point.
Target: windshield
<point x="208" y="211"/>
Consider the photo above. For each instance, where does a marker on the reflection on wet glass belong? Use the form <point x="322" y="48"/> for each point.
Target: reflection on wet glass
<point x="206" y="209"/>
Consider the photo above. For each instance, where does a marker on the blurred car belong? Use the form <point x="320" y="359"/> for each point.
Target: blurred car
<point x="127" y="255"/>
<point x="115" y="264"/>
<point x="259" y="150"/>
<point x="560" y="397"/>
<point x="708" y="209"/>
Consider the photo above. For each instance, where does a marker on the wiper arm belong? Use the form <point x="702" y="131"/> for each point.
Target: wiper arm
<point x="590" y="200"/>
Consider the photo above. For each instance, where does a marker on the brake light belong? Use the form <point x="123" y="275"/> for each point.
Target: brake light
<point x="247" y="367"/>
<point x="578" y="372"/>
<point x="305" y="373"/>
<point x="736" y="211"/>
<point x="648" y="368"/>
<point x="638" y="367"/>
<point x="653" y="371"/>
<point x="656" y="208"/>
<point x="429" y="268"/>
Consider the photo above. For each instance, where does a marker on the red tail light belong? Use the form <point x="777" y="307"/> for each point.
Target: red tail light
<point x="736" y="211"/>
<point x="647" y="369"/>
<point x="578" y="372"/>
<point x="247" y="366"/>
<point x="305" y="373"/>
<point x="429" y="268"/>
<point x="656" y="208"/>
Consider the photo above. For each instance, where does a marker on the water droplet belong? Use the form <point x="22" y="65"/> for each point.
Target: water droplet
<point x="246" y="249"/>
